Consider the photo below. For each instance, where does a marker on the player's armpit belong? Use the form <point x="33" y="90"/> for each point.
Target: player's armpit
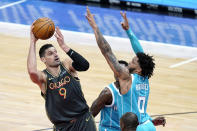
<point x="120" y="71"/>
<point x="125" y="85"/>
<point x="43" y="87"/>
<point x="104" y="98"/>
<point x="43" y="83"/>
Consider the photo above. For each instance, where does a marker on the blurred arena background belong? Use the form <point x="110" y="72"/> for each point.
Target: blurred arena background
<point x="166" y="28"/>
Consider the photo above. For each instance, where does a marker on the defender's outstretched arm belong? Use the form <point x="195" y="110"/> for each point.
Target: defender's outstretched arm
<point x="105" y="47"/>
<point x="133" y="39"/>
<point x="120" y="71"/>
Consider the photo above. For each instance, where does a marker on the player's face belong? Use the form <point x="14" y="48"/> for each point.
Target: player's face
<point x="51" y="58"/>
<point x="134" y="66"/>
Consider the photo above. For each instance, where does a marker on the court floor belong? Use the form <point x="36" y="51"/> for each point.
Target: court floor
<point x="173" y="90"/>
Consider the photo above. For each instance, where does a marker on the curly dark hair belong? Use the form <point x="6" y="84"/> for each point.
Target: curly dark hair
<point x="43" y="48"/>
<point x="146" y="63"/>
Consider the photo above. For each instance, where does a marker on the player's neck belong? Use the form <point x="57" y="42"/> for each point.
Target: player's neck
<point x="54" y="70"/>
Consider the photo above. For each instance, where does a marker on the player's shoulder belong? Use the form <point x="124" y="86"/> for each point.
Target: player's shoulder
<point x="105" y="96"/>
<point x="105" y="91"/>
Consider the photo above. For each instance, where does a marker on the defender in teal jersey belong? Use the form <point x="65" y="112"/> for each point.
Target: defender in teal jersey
<point x="140" y="83"/>
<point x="113" y="105"/>
<point x="136" y="86"/>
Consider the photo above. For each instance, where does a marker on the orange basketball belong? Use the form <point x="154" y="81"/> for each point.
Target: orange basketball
<point x="44" y="28"/>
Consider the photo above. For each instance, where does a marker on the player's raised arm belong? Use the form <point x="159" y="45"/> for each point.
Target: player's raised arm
<point x="35" y="75"/>
<point x="134" y="40"/>
<point x="79" y="63"/>
<point x="120" y="71"/>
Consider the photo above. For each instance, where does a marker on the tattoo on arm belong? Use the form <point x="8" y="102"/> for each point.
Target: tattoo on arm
<point x="102" y="43"/>
<point x="107" y="52"/>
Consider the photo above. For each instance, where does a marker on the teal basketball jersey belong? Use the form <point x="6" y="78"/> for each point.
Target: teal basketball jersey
<point x="111" y="114"/>
<point x="140" y="93"/>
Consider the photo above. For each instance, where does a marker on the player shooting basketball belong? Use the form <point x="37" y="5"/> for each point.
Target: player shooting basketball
<point x="60" y="86"/>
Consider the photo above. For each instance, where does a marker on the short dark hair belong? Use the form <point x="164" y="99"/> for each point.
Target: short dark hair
<point x="123" y="62"/>
<point x="43" y="48"/>
<point x="146" y="63"/>
<point x="130" y="121"/>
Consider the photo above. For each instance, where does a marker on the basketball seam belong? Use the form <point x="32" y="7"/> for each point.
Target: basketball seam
<point x="46" y="32"/>
<point x="50" y="26"/>
<point x="42" y="26"/>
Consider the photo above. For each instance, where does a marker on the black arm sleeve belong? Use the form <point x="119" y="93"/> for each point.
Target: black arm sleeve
<point x="79" y="62"/>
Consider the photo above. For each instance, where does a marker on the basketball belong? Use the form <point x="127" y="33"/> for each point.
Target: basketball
<point x="44" y="28"/>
